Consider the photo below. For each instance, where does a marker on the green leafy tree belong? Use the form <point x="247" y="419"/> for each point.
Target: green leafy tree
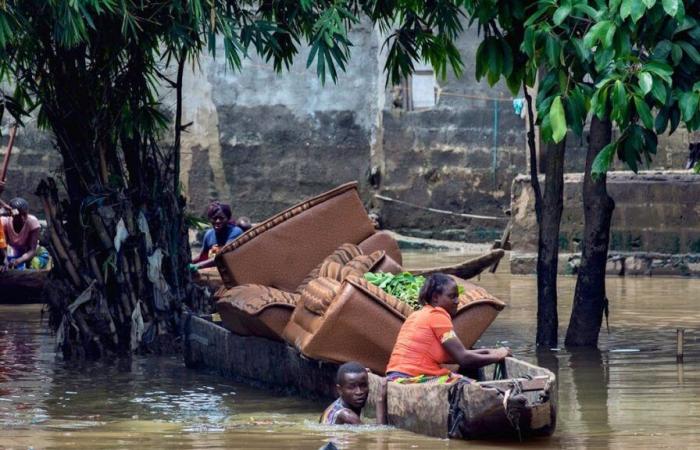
<point x="90" y="71"/>
<point x="637" y="63"/>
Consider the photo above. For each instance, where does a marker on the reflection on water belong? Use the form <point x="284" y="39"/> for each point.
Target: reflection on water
<point x="629" y="393"/>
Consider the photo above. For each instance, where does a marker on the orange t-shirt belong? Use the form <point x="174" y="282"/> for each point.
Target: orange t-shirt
<point x="418" y="349"/>
<point x="3" y="242"/>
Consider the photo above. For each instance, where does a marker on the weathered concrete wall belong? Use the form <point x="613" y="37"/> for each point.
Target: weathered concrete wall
<point x="33" y="157"/>
<point x="265" y="140"/>
<point x="460" y="156"/>
<point x="655" y="213"/>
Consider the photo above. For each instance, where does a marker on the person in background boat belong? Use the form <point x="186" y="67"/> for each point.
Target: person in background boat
<point x="21" y="231"/>
<point x="3" y="242"/>
<point x="222" y="232"/>
<point x="427" y="338"/>
<point x="352" y="383"/>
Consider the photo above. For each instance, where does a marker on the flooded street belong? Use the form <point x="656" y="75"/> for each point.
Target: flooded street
<point x="630" y="393"/>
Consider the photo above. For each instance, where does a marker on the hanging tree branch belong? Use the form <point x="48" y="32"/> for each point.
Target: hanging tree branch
<point x="534" y="179"/>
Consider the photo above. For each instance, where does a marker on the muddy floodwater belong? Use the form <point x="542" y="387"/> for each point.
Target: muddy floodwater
<point x="631" y="393"/>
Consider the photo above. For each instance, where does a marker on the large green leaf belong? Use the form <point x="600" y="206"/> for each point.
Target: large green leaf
<point x="670" y="6"/>
<point x="557" y="120"/>
<point x="690" y="51"/>
<point x="644" y="112"/>
<point x="688" y="103"/>
<point x="662" y="49"/>
<point x="596" y="33"/>
<point x="676" y="53"/>
<point x="661" y="121"/>
<point x="561" y="13"/>
<point x="661" y="69"/>
<point x="658" y="90"/>
<point x="599" y="102"/>
<point x="553" y="50"/>
<point x="645" y="82"/>
<point x="603" y="160"/>
<point x="626" y="8"/>
<point x="638" y="9"/>
<point x="619" y="101"/>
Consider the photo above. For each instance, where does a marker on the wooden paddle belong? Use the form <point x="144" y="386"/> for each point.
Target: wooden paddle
<point x="6" y="161"/>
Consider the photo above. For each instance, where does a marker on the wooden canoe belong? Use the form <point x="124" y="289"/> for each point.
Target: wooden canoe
<point x="523" y="405"/>
<point x="23" y="286"/>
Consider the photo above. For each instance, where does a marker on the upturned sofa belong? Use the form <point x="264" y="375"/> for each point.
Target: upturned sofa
<point x="298" y="277"/>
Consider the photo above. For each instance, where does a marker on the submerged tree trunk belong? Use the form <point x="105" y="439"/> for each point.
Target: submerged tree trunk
<point x="589" y="298"/>
<point x="548" y="209"/>
<point x="548" y="246"/>
<point x="119" y="241"/>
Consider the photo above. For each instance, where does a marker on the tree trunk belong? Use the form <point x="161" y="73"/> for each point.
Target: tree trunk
<point x="548" y="209"/>
<point x="119" y="241"/>
<point x="548" y="246"/>
<point x="589" y="298"/>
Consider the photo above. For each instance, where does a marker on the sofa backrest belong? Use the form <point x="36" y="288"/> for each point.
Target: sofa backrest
<point x="283" y="249"/>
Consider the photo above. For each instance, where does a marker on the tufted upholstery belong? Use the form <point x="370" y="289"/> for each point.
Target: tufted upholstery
<point x="252" y="309"/>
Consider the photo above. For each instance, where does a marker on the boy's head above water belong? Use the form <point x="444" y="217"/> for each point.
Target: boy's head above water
<point x="352" y="383"/>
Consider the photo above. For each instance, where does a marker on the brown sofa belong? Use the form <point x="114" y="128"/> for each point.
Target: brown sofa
<point x="298" y="276"/>
<point x="354" y="320"/>
<point x="284" y="251"/>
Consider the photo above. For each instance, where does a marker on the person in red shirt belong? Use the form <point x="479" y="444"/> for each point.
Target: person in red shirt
<point x="427" y="339"/>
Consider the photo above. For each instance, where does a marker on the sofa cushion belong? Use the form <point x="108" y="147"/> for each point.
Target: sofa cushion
<point x="253" y="298"/>
<point x="340" y="256"/>
<point x="361" y="264"/>
<point x="382" y="240"/>
<point x="319" y="294"/>
<point x="331" y="269"/>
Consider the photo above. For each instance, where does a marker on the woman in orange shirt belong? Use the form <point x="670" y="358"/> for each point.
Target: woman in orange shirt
<point x="427" y="338"/>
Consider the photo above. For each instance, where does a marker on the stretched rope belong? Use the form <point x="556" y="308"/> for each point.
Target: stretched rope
<point x="440" y="211"/>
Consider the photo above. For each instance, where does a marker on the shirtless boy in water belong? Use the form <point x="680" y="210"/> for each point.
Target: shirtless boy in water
<point x="352" y="383"/>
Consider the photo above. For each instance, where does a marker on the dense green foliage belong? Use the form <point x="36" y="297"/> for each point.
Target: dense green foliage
<point x="634" y="62"/>
<point x="404" y="286"/>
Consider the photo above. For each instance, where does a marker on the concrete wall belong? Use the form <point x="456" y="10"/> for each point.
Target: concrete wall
<point x="33" y="157"/>
<point x="460" y="156"/>
<point x="655" y="212"/>
<point x="264" y="141"/>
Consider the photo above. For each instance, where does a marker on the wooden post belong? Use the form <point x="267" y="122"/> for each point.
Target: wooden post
<point x="680" y="335"/>
<point x="6" y="162"/>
